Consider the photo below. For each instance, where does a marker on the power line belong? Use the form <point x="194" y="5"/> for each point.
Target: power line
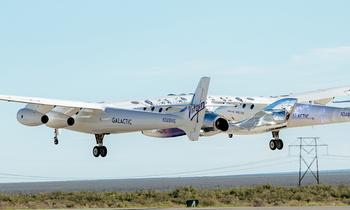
<point x="23" y="176"/>
<point x="338" y="156"/>
<point x="248" y="166"/>
<point x="31" y="177"/>
<point x="255" y="167"/>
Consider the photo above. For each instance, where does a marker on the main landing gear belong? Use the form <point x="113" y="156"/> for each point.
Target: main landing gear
<point x="276" y="142"/>
<point x="99" y="150"/>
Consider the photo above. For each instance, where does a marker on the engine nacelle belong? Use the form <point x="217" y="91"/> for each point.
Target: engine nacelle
<point x="30" y="117"/>
<point x="164" y="133"/>
<point x="58" y="120"/>
<point x="214" y="123"/>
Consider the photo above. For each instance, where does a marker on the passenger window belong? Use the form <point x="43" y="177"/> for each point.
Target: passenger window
<point x="252" y="106"/>
<point x="244" y="105"/>
<point x="160" y="110"/>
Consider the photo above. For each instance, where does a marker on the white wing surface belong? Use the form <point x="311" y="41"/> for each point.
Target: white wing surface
<point x="52" y="102"/>
<point x="322" y="96"/>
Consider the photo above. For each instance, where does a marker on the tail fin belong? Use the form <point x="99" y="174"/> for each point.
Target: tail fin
<point x="196" y="110"/>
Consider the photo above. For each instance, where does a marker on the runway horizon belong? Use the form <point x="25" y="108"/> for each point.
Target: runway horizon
<point x="162" y="184"/>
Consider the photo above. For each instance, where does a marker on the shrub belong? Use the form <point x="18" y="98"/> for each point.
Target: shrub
<point x="266" y="195"/>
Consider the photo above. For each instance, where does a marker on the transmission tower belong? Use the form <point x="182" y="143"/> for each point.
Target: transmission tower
<point x="308" y="157"/>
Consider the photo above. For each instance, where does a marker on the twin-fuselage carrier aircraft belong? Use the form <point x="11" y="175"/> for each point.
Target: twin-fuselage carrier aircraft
<point x="194" y="115"/>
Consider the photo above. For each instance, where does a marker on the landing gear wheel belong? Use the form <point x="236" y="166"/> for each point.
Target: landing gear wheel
<point x="279" y="144"/>
<point x="103" y="151"/>
<point x="100" y="150"/>
<point x="96" y="152"/>
<point x="273" y="144"/>
<point x="55" y="141"/>
<point x="230" y="136"/>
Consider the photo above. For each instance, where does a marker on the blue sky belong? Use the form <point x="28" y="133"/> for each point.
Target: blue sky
<point x="123" y="50"/>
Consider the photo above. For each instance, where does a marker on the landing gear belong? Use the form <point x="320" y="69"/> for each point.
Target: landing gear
<point x="276" y="142"/>
<point x="279" y="144"/>
<point x="96" y="151"/>
<point x="55" y="139"/>
<point x="273" y="145"/>
<point x="103" y="151"/>
<point x="230" y="136"/>
<point x="99" y="150"/>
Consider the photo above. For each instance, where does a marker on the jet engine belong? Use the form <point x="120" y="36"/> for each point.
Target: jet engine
<point x="30" y="117"/>
<point x="214" y="124"/>
<point x="58" y="120"/>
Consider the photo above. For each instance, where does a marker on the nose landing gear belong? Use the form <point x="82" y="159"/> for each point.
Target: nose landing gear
<point x="56" y="137"/>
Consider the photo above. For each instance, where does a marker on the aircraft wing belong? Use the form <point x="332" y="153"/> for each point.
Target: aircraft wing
<point x="322" y="96"/>
<point x="52" y="102"/>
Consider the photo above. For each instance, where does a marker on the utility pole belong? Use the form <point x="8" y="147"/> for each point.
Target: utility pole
<point x="308" y="157"/>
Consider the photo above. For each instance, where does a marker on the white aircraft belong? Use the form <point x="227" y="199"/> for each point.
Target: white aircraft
<point x="102" y="119"/>
<point x="254" y="115"/>
<point x="193" y="115"/>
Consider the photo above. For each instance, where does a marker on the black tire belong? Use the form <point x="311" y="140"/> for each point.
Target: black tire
<point x="273" y="144"/>
<point x="103" y="151"/>
<point x="55" y="141"/>
<point x="279" y="144"/>
<point x="96" y="152"/>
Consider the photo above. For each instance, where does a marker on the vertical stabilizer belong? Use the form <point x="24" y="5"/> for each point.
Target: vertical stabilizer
<point x="196" y="110"/>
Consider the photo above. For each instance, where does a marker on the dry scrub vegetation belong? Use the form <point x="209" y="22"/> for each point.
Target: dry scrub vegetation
<point x="254" y="196"/>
